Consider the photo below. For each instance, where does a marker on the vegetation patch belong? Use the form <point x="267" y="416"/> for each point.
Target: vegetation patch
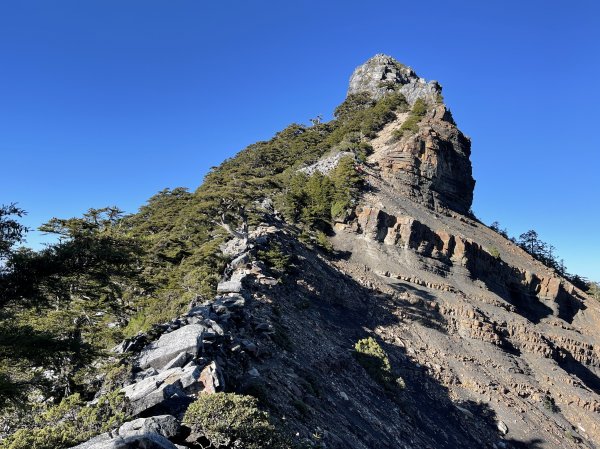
<point x="494" y="252"/>
<point x="411" y="124"/>
<point x="111" y="276"/>
<point x="229" y="420"/>
<point x="549" y="404"/>
<point x="69" y="423"/>
<point x="371" y="356"/>
<point x="275" y="258"/>
<point x="316" y="200"/>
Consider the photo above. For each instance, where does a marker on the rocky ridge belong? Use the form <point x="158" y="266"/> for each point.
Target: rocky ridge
<point x="496" y="350"/>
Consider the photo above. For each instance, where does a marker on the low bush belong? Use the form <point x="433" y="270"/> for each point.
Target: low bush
<point x="69" y="423"/>
<point x="371" y="356"/>
<point x="411" y="124"/>
<point x="549" y="404"/>
<point x="275" y="258"/>
<point x="231" y="420"/>
<point x="495" y="252"/>
<point x="323" y="242"/>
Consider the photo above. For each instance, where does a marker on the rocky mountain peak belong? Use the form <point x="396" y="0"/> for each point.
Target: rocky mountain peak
<point x="410" y="324"/>
<point x="422" y="154"/>
<point x="382" y="74"/>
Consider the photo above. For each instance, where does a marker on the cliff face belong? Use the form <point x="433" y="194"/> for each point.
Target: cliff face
<point x="495" y="349"/>
<point x="431" y="166"/>
<point x="509" y="332"/>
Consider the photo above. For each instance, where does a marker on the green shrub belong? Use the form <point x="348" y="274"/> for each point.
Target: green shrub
<point x="338" y="209"/>
<point x="319" y="189"/>
<point x="145" y="268"/>
<point x="231" y="420"/>
<point x="323" y="242"/>
<point x="419" y="108"/>
<point x="346" y="186"/>
<point x="411" y="124"/>
<point x="548" y="403"/>
<point x="275" y="258"/>
<point x="594" y="290"/>
<point x="495" y="252"/>
<point x="69" y="423"/>
<point x="375" y="361"/>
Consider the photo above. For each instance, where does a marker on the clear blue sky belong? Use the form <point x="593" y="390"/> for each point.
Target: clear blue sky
<point x="106" y="102"/>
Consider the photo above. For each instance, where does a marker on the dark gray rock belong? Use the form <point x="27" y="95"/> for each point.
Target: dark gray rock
<point x="178" y="361"/>
<point x="250" y="347"/>
<point x="165" y="425"/>
<point x="199" y="311"/>
<point x="146" y="441"/>
<point x="240" y="261"/>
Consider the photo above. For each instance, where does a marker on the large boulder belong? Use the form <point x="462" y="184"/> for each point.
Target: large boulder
<point x="154" y="390"/>
<point x="165" y="425"/>
<point x="234" y="284"/>
<point x="186" y="339"/>
<point x="145" y="441"/>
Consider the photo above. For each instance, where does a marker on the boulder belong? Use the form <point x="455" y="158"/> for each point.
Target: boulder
<point x="378" y="75"/>
<point x="502" y="427"/>
<point x="165" y="425"/>
<point x="154" y="390"/>
<point x="146" y="441"/>
<point x="154" y="397"/>
<point x="240" y="261"/>
<point x="186" y="339"/>
<point x="228" y="303"/>
<point x="234" y="246"/>
<point x="234" y="284"/>
<point x="178" y="361"/>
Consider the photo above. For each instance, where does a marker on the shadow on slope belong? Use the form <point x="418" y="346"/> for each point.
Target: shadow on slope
<point x="315" y="378"/>
<point x="566" y="361"/>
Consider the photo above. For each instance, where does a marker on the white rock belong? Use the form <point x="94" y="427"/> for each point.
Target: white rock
<point x="185" y="339"/>
<point x="502" y="427"/>
<point x="234" y="284"/>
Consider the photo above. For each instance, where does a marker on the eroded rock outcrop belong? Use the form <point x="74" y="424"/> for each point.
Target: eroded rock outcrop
<point x="430" y="166"/>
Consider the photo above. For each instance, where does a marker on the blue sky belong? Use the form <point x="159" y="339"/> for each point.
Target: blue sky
<point x="106" y="102"/>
